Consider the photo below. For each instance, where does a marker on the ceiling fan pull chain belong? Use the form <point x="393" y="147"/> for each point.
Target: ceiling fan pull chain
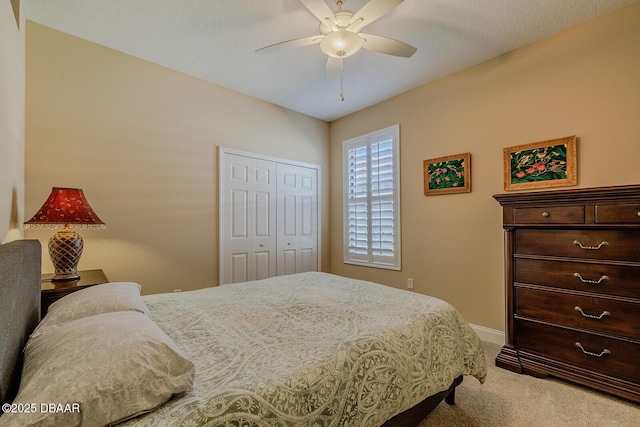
<point x="341" y="83"/>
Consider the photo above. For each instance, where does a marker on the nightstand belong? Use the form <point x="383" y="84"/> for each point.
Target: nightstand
<point x="52" y="291"/>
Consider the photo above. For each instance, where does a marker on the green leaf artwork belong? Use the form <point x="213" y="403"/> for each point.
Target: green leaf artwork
<point x="539" y="164"/>
<point x="448" y="174"/>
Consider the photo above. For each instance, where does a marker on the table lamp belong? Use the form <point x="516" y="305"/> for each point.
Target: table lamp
<point x="65" y="207"/>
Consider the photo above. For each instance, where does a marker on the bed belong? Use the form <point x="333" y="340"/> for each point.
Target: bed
<point x="311" y="349"/>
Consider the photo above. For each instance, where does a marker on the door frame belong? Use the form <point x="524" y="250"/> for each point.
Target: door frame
<point x="223" y="153"/>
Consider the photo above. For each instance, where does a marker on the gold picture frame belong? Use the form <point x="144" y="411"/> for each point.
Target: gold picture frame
<point x="543" y="164"/>
<point x="447" y="175"/>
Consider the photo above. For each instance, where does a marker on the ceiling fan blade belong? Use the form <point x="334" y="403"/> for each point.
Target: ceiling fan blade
<point x="290" y="44"/>
<point x="334" y="68"/>
<point x="321" y="11"/>
<point x="387" y="45"/>
<point x="370" y="12"/>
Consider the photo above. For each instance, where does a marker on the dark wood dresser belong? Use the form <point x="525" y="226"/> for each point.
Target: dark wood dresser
<point x="572" y="275"/>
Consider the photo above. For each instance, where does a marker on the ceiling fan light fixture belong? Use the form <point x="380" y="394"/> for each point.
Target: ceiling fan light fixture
<point x="341" y="44"/>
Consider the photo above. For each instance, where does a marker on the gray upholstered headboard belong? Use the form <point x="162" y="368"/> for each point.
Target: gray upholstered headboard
<point x="19" y="308"/>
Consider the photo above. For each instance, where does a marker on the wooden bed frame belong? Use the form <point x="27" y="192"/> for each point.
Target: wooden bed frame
<point x="412" y="417"/>
<point x="20" y="290"/>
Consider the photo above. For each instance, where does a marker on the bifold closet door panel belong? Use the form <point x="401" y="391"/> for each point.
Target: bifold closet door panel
<point x="248" y="230"/>
<point x="297" y="217"/>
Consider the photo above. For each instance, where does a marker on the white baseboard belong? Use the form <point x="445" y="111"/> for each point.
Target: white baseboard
<point x="490" y="335"/>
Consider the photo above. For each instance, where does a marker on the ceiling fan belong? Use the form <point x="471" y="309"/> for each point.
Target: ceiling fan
<point x="340" y="35"/>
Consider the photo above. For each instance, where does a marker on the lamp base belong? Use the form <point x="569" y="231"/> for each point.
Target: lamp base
<point x="65" y="249"/>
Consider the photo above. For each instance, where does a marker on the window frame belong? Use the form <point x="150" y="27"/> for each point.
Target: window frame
<point x="370" y="260"/>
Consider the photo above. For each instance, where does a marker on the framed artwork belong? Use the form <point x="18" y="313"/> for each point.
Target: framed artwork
<point x="542" y="164"/>
<point x="446" y="175"/>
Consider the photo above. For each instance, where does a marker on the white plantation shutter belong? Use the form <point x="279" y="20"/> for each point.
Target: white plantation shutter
<point x="372" y="199"/>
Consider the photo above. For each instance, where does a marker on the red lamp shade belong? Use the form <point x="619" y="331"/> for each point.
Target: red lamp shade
<point x="63" y="207"/>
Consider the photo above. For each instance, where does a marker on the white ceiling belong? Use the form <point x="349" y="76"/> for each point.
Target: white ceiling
<point x="216" y="40"/>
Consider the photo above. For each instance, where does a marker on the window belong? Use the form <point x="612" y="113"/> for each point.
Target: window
<point x="372" y="199"/>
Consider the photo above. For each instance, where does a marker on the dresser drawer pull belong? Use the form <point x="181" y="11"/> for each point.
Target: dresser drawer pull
<point x="591" y="316"/>
<point x="602" y="353"/>
<point x="592" y="282"/>
<point x="590" y="248"/>
<point x="546" y="214"/>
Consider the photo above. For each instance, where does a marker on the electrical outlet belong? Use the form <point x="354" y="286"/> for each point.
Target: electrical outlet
<point x="409" y="283"/>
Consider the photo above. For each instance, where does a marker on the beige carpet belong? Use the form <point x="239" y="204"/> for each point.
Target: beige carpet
<point x="510" y="399"/>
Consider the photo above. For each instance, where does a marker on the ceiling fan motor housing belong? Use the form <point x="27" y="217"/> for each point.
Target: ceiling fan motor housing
<point x="340" y="43"/>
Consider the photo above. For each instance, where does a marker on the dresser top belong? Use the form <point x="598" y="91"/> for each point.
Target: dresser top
<point x="617" y="194"/>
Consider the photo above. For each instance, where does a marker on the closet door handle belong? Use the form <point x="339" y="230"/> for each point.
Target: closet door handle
<point x="592" y="282"/>
<point x="592" y="316"/>
<point x="590" y="248"/>
<point x="602" y="353"/>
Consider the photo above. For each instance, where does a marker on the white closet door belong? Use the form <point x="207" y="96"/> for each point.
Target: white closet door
<point x="297" y="219"/>
<point x="248" y="219"/>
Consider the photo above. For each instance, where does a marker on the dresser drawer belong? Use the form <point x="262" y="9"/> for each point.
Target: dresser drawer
<point x="620" y="359"/>
<point x="597" y="314"/>
<point x="610" y="279"/>
<point x="589" y="244"/>
<point x="551" y="215"/>
<point x="618" y="214"/>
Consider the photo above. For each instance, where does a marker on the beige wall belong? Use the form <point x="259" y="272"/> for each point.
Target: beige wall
<point x="584" y="82"/>
<point x="141" y="140"/>
<point x="11" y="120"/>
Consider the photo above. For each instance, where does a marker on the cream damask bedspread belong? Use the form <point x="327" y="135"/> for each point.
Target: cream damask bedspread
<point x="310" y="349"/>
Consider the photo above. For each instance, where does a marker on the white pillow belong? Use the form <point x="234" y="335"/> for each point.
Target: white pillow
<point x="98" y="299"/>
<point x="113" y="365"/>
